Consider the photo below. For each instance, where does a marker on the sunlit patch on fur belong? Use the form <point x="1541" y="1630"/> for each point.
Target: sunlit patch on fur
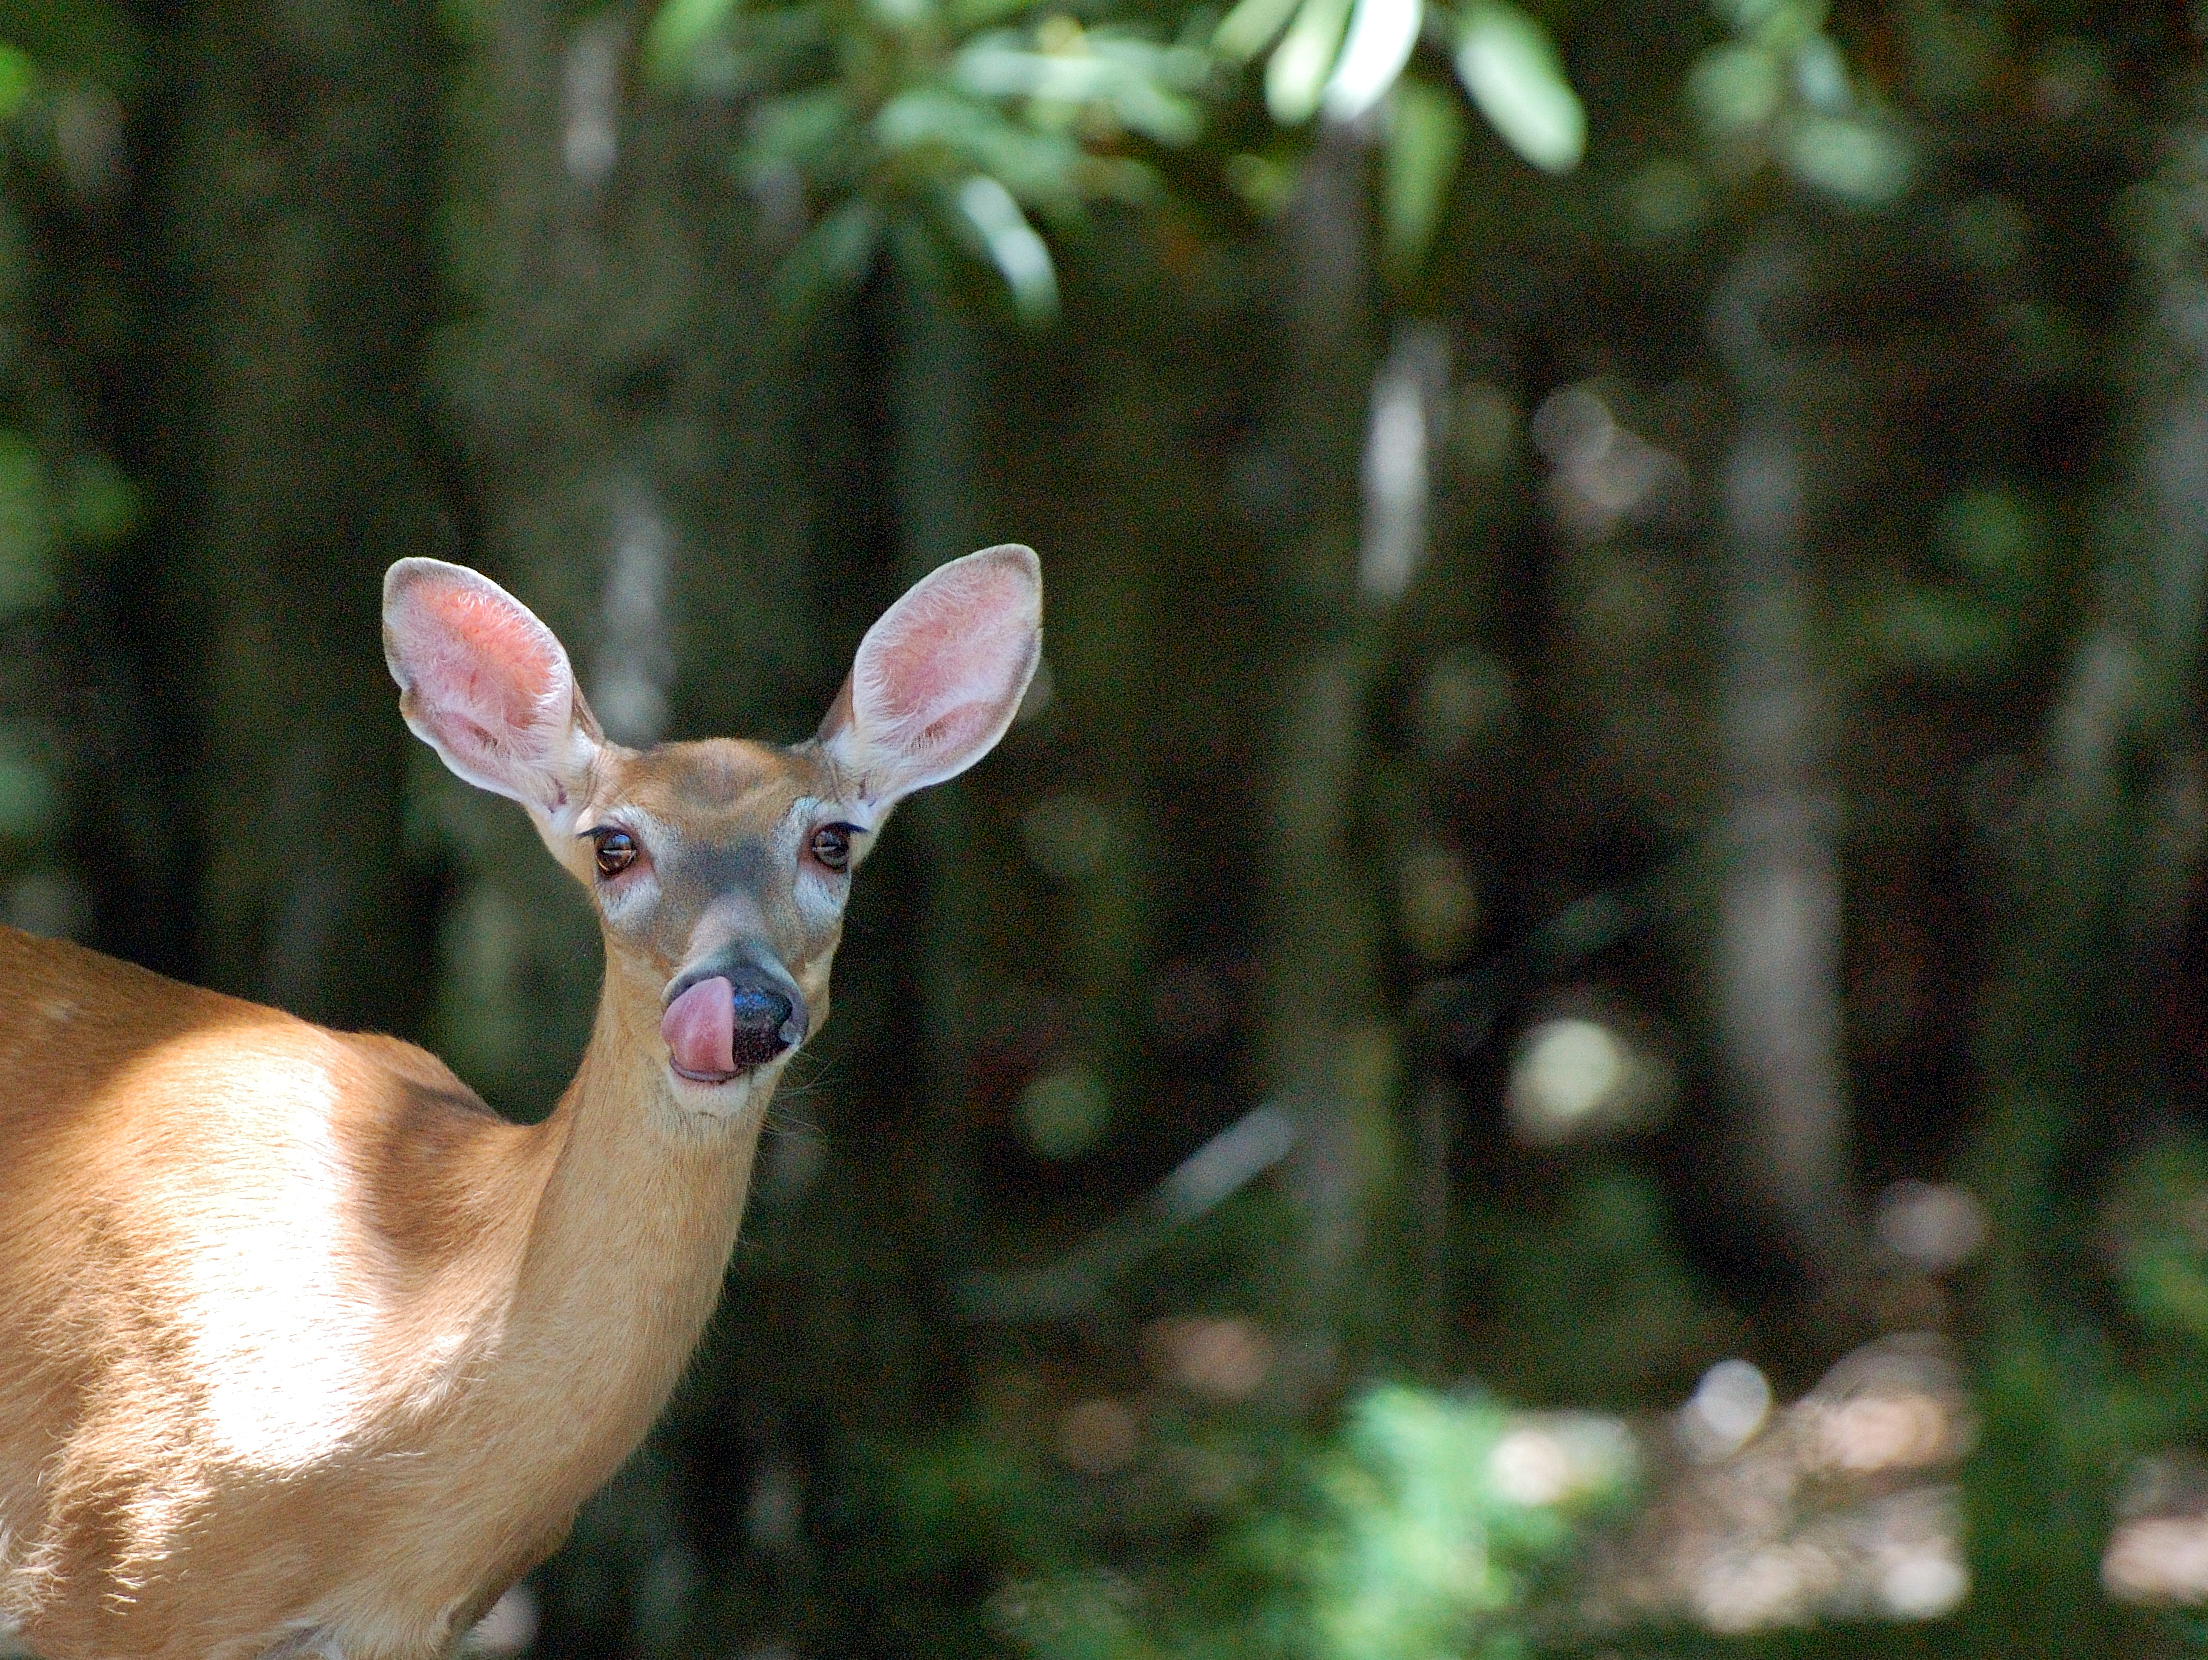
<point x="270" y="1291"/>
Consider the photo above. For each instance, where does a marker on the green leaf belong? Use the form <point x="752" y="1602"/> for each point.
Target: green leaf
<point x="1264" y="184"/>
<point x="939" y="136"/>
<point x="2158" y="1201"/>
<point x="1014" y="247"/>
<point x="1421" y="1542"/>
<point x="1917" y="626"/>
<point x="677" y="31"/>
<point x="1777" y="23"/>
<point x="1381" y="36"/>
<point x="18" y="75"/>
<point x="1136" y="82"/>
<point x="833" y="258"/>
<point x="1299" y="66"/>
<point x="1666" y="197"/>
<point x="26" y="527"/>
<point x="1110" y="179"/>
<point x="1821" y="76"/>
<point x="1512" y="70"/>
<point x="76" y="40"/>
<point x="1252" y="26"/>
<point x="27" y="796"/>
<point x="801" y="129"/>
<point x="1853" y="160"/>
<point x="924" y="117"/>
<point x="979" y="14"/>
<point x="1066" y="1112"/>
<point x="901" y="14"/>
<point x="1425" y="142"/>
<point x="1999" y="538"/>
<point x="101" y="506"/>
<point x="1732" y="88"/>
<point x="1073" y="1616"/>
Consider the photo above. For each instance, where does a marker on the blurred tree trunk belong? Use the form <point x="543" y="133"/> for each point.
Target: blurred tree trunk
<point x="1326" y="1052"/>
<point x="2097" y="860"/>
<point x="934" y="376"/>
<point x="1778" y="925"/>
<point x="301" y="191"/>
<point x="560" y="504"/>
<point x="933" y="373"/>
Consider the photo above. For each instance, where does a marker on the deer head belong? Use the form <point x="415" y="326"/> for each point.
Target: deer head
<point x="719" y="870"/>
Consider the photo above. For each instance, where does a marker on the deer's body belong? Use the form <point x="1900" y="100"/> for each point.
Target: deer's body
<point x="305" y="1351"/>
<point x="299" y="1299"/>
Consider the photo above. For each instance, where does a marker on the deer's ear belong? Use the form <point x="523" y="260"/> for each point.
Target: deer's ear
<point x="487" y="685"/>
<point x="938" y="679"/>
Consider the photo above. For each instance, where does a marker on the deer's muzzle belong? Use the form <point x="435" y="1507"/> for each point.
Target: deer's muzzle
<point x="726" y="1017"/>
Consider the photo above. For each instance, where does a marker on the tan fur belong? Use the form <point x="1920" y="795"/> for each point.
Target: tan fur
<point x="304" y="1350"/>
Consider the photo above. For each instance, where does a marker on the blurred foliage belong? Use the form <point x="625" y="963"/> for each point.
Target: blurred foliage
<point x="65" y="504"/>
<point x="2161" y="1252"/>
<point x="1409" y="1533"/>
<point x="936" y="126"/>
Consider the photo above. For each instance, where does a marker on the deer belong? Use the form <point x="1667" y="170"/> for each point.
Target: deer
<point x="304" y="1350"/>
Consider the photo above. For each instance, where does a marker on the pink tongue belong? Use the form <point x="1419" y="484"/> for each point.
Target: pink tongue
<point x="700" y="1029"/>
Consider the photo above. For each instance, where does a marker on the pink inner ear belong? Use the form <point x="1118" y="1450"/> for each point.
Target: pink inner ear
<point x="945" y="666"/>
<point x="484" y="681"/>
<point x="956" y="727"/>
<point x="937" y="678"/>
<point x="476" y="657"/>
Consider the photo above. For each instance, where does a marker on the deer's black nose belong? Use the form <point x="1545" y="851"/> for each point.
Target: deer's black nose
<point x="766" y="1015"/>
<point x="740" y="997"/>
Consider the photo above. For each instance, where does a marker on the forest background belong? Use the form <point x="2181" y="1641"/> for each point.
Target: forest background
<point x="1573" y="1022"/>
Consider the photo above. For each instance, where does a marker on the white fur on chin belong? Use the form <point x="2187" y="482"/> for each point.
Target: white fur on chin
<point x="731" y="1099"/>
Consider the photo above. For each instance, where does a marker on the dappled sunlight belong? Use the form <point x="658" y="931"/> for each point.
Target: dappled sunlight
<point x="2158" y="1551"/>
<point x="1580" y="1075"/>
<point x="2158" y="1559"/>
<point x="1727" y="1408"/>
<point x="1098" y="1436"/>
<point x="1224" y="1358"/>
<point x="1435" y="1505"/>
<point x="1604" y="473"/>
<point x="1843" y="1504"/>
<point x="1934" y="1227"/>
<point x="254" y="1253"/>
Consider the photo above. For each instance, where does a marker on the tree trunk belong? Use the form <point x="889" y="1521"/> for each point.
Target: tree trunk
<point x="1327" y="1053"/>
<point x="2095" y="864"/>
<point x="617" y="389"/>
<point x="302" y="192"/>
<point x="1778" y="937"/>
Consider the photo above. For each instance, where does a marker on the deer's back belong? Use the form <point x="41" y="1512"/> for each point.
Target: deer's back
<point x="237" y="1252"/>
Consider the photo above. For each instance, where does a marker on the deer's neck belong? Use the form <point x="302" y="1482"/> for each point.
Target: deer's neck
<point x="630" y="1238"/>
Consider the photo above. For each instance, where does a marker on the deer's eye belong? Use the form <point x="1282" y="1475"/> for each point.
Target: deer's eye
<point x="617" y="850"/>
<point x="832" y="846"/>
